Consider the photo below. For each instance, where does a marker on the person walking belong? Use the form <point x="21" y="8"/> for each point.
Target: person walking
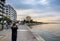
<point x="14" y="32"/>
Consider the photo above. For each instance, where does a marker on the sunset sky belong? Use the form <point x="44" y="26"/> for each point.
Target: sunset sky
<point x="40" y="10"/>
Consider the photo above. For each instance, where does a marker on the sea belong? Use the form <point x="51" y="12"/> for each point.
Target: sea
<point x="49" y="32"/>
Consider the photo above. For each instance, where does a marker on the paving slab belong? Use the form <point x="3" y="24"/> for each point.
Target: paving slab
<point x="23" y="34"/>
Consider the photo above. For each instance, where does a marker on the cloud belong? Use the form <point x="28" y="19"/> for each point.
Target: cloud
<point x="37" y="9"/>
<point x="36" y="16"/>
<point x="25" y="4"/>
<point x="32" y="4"/>
<point x="19" y="4"/>
<point x="54" y="2"/>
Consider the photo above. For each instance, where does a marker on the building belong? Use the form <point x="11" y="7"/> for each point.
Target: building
<point x="2" y="3"/>
<point x="10" y="12"/>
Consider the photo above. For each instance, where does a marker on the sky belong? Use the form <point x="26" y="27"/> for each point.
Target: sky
<point x="39" y="10"/>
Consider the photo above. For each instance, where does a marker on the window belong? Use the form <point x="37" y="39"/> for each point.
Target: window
<point x="6" y="11"/>
<point x="9" y="14"/>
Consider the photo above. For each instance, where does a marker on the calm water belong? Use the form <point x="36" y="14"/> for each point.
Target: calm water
<point x="49" y="32"/>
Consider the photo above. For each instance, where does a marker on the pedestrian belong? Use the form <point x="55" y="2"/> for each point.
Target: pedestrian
<point x="14" y="32"/>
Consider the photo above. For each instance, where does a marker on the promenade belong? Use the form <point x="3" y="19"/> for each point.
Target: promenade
<point x="24" y="34"/>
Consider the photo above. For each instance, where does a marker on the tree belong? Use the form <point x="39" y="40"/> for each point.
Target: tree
<point x="7" y="19"/>
<point x="24" y="21"/>
<point x="31" y="21"/>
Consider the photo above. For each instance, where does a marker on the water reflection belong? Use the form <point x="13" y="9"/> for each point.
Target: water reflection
<point x="50" y="32"/>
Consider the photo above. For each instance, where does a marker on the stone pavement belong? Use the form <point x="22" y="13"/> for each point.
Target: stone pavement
<point x="24" y="34"/>
<point x="3" y="33"/>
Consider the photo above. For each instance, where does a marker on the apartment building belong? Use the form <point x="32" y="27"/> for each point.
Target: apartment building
<point x="2" y="3"/>
<point x="10" y="12"/>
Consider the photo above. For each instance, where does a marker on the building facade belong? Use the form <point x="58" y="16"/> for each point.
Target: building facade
<point x="2" y="3"/>
<point x="10" y="12"/>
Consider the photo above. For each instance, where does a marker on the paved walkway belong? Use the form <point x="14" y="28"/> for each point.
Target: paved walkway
<point x="24" y="34"/>
<point x="4" y="33"/>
